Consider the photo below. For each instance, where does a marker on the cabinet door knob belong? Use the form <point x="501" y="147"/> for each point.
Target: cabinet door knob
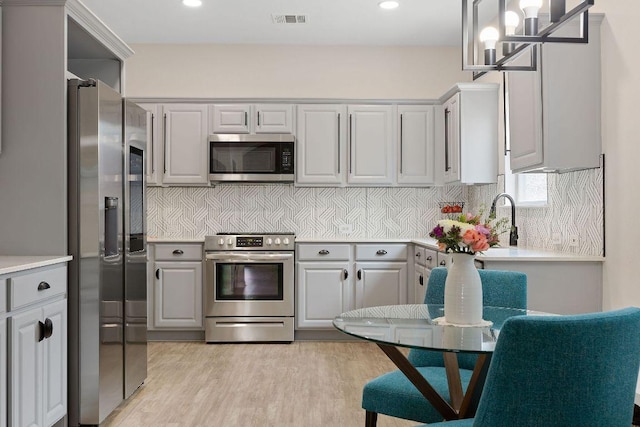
<point x="381" y="252"/>
<point x="359" y="274"/>
<point x="323" y="252"/>
<point x="346" y="273"/>
<point x="43" y="285"/>
<point x="418" y="255"/>
<point x="48" y="328"/>
<point x="42" y="331"/>
<point x="158" y="274"/>
<point x="178" y="252"/>
<point x="443" y="263"/>
<point x="429" y="258"/>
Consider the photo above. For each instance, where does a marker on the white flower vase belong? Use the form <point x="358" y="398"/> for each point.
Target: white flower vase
<point x="463" y="292"/>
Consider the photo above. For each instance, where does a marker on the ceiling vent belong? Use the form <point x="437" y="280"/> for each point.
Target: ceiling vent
<point x="289" y="19"/>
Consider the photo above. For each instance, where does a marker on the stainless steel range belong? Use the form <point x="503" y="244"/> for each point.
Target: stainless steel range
<point x="249" y="287"/>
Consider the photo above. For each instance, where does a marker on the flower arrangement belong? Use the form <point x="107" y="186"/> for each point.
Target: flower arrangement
<point x="468" y="233"/>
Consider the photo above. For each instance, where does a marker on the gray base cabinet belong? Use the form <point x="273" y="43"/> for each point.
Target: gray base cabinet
<point x="175" y="287"/>
<point x="33" y="347"/>
<point x="560" y="287"/>
<point x="338" y="277"/>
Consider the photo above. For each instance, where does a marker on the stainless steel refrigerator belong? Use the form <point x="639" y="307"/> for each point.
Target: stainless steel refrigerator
<point x="107" y="239"/>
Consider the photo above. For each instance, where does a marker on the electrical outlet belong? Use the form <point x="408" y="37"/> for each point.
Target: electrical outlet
<point x="574" y="240"/>
<point x="345" y="228"/>
<point x="556" y="238"/>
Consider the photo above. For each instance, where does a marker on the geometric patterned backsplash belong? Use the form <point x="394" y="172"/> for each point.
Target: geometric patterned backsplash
<point x="377" y="213"/>
<point x="574" y="208"/>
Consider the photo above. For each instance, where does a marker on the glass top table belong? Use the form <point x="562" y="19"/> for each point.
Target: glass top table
<point x="413" y="326"/>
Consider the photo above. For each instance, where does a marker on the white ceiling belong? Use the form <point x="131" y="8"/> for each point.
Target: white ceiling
<point x="330" y="22"/>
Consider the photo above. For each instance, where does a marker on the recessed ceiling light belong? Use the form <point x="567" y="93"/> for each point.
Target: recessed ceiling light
<point x="192" y="3"/>
<point x="388" y="4"/>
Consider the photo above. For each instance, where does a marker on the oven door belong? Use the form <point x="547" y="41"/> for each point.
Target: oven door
<point x="249" y="284"/>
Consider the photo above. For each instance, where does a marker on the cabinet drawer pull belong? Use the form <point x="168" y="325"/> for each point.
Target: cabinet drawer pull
<point x="346" y="273"/>
<point x="323" y="252"/>
<point x="359" y="274"/>
<point x="421" y="280"/>
<point x="381" y="252"/>
<point x="178" y="252"/>
<point x="43" y="286"/>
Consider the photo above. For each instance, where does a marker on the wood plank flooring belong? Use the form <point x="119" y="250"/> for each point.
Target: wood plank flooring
<point x="302" y="384"/>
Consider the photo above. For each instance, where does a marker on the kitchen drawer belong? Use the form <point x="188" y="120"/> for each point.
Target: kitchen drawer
<point x="36" y="286"/>
<point x="3" y="295"/>
<point x="319" y="252"/>
<point x="443" y="259"/>
<point x="419" y="255"/>
<point x="381" y="252"/>
<point x="178" y="252"/>
<point x="430" y="258"/>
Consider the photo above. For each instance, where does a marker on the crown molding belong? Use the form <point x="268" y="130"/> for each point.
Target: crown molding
<point x="98" y="29"/>
<point x="32" y="2"/>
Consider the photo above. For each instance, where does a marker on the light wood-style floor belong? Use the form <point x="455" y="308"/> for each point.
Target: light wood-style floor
<point x="302" y="384"/>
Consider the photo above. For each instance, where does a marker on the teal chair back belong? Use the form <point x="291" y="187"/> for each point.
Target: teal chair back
<point x="563" y="371"/>
<point x="499" y="289"/>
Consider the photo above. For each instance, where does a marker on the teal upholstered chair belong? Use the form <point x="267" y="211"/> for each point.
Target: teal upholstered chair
<point x="562" y="371"/>
<point x="393" y="394"/>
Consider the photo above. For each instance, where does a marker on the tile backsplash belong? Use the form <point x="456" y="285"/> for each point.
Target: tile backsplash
<point x="575" y="208"/>
<point x="385" y="213"/>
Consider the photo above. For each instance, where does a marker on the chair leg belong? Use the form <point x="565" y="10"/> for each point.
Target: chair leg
<point x="371" y="419"/>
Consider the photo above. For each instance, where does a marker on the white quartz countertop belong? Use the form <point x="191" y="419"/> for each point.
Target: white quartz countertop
<point x="153" y="239"/>
<point x="13" y="264"/>
<point x="494" y="254"/>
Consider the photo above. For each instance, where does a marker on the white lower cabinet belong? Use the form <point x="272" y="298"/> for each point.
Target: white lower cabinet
<point x="380" y="283"/>
<point x="38" y="359"/>
<point x="324" y="291"/>
<point x="3" y="372"/>
<point x="329" y="282"/>
<point x="177" y="287"/>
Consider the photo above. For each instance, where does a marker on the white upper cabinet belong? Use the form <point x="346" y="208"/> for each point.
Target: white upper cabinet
<point x="416" y="145"/>
<point x="154" y="144"/>
<point x="554" y="113"/>
<point x="370" y="144"/>
<point x="321" y="149"/>
<point x="470" y="141"/>
<point x="185" y="144"/>
<point x="251" y="118"/>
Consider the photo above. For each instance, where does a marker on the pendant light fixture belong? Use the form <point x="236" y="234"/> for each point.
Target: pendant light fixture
<point x="517" y="34"/>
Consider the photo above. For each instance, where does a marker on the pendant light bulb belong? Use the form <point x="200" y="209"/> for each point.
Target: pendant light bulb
<point x="489" y="36"/>
<point x="511" y="22"/>
<point x="530" y="7"/>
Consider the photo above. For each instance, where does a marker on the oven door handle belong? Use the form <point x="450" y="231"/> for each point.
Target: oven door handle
<point x="249" y="257"/>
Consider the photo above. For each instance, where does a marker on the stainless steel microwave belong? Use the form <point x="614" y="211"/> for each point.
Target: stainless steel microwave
<point x="251" y="158"/>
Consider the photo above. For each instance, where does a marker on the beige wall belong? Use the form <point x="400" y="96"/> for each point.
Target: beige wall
<point x="621" y="144"/>
<point x="256" y="71"/>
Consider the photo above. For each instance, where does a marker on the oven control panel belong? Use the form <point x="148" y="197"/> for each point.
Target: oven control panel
<point x="249" y="242"/>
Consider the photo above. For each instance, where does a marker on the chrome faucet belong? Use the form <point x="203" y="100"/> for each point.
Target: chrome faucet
<point x="513" y="234"/>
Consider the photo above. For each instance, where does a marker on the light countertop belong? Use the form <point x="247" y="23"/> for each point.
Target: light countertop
<point x="497" y="254"/>
<point x="12" y="264"/>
